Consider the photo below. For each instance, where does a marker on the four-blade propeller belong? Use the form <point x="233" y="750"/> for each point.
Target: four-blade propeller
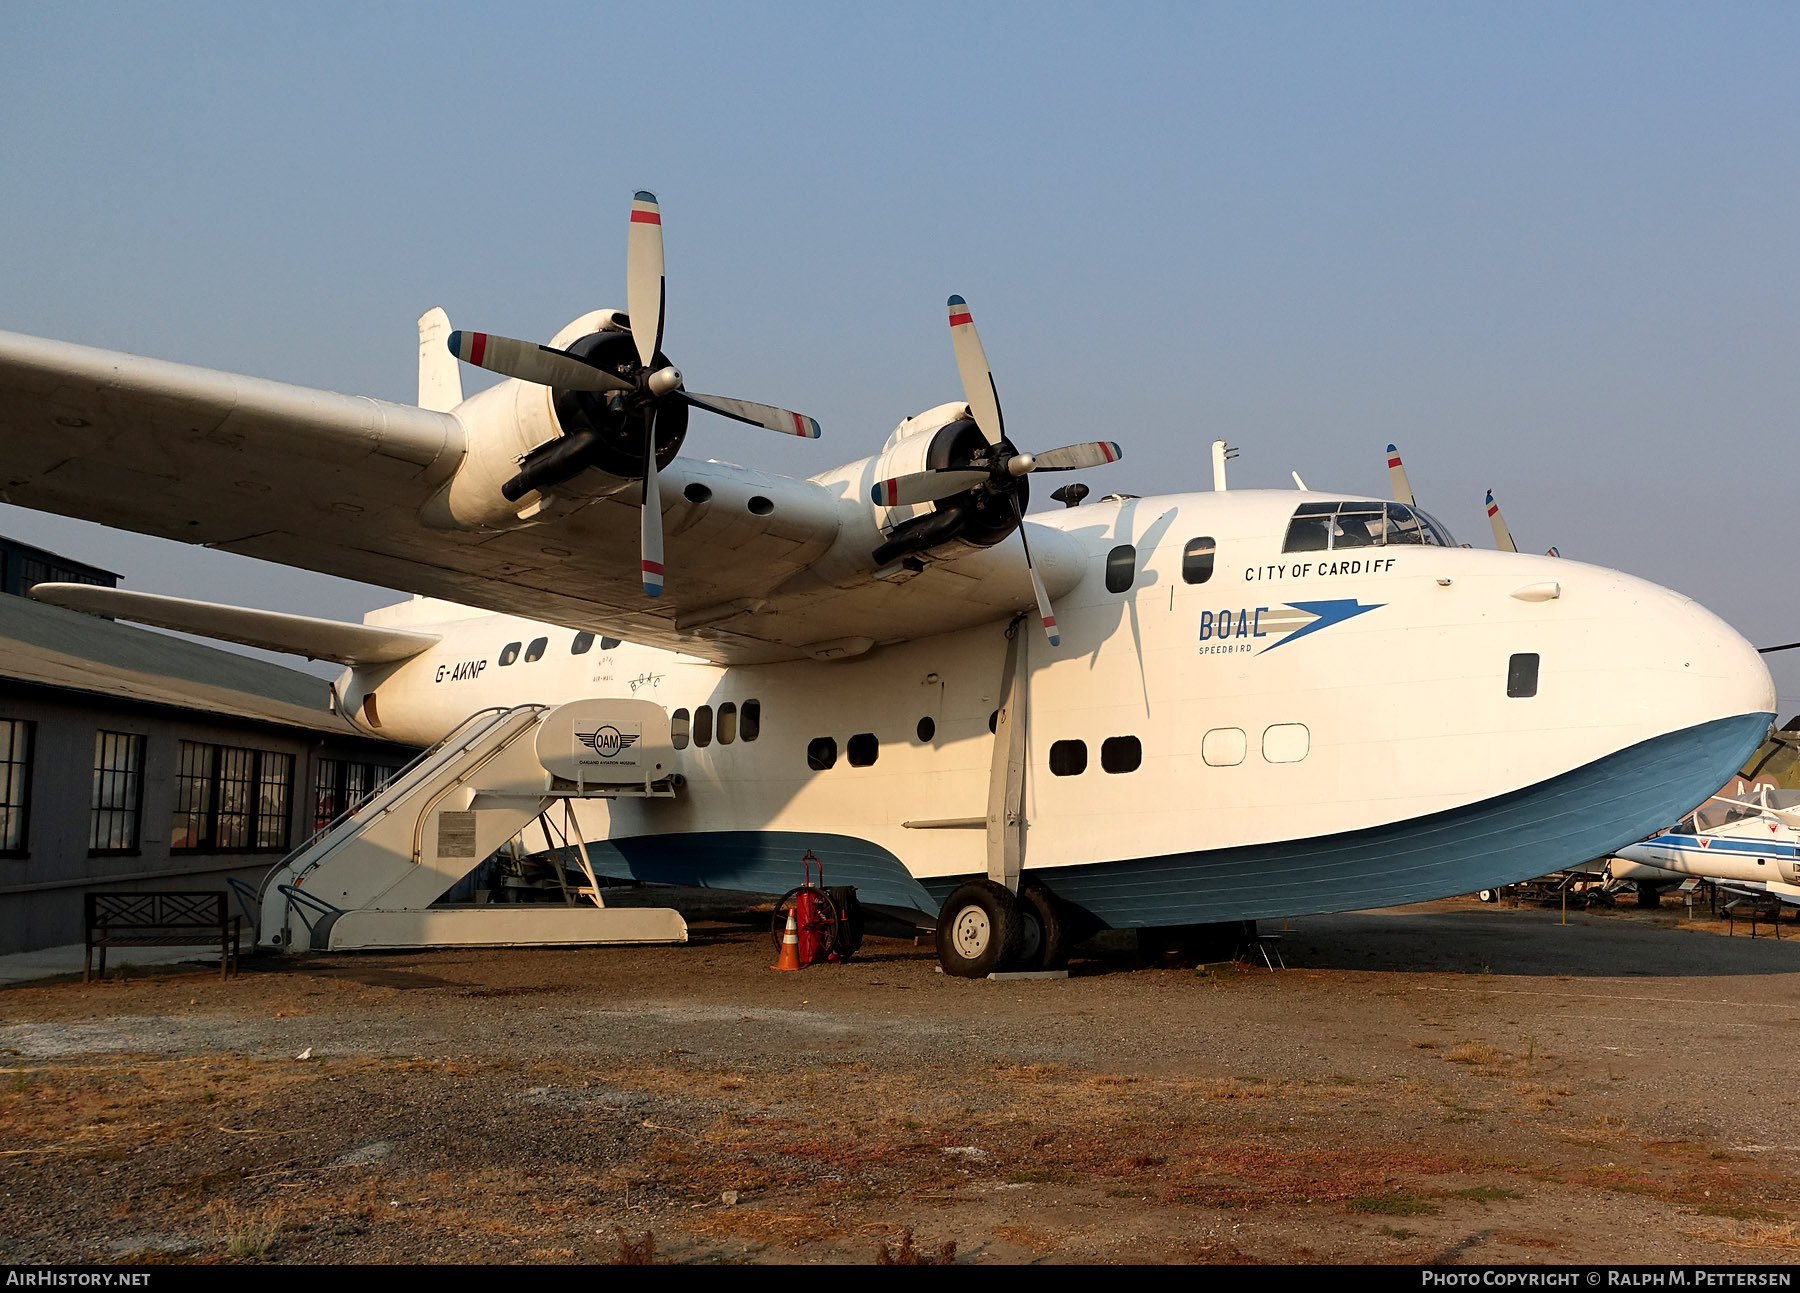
<point x="1000" y="469"/>
<point x="633" y="391"/>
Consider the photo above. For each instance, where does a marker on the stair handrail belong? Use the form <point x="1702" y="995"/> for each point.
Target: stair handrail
<point x="393" y="786"/>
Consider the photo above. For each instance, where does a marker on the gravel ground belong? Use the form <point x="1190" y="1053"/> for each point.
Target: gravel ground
<point x="1446" y="1082"/>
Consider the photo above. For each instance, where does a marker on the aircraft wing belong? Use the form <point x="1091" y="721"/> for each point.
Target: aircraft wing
<point x="345" y="485"/>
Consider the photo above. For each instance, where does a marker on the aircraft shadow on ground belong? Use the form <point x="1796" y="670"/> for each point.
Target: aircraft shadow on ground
<point x="1533" y="944"/>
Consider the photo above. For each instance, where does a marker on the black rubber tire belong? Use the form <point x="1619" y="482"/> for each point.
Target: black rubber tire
<point x="979" y="930"/>
<point x="850" y="920"/>
<point x="1488" y="895"/>
<point x="1044" y="930"/>
<point x="1648" y="895"/>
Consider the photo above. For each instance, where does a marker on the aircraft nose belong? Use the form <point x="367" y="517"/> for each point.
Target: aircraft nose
<point x="1722" y="669"/>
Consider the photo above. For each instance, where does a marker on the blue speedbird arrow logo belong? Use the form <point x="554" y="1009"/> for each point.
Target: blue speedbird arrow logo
<point x="1332" y="612"/>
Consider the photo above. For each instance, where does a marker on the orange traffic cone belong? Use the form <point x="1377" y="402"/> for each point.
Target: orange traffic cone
<point x="790" y="947"/>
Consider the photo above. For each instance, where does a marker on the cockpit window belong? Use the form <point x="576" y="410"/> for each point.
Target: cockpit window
<point x="1319" y="527"/>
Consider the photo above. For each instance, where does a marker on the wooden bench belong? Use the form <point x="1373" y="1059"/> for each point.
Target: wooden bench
<point x="160" y="920"/>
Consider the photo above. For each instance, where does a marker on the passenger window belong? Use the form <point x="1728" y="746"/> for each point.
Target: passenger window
<point x="607" y="644"/>
<point x="509" y="653"/>
<point x="1521" y="675"/>
<point x="821" y="753"/>
<point x="1286" y="743"/>
<point x="1197" y="561"/>
<point x="1068" y="758"/>
<point x="927" y="729"/>
<point x="1223" y="747"/>
<point x="678" y="729"/>
<point x="863" y="749"/>
<point x="727" y="723"/>
<point x="750" y="720"/>
<point x="1121" y="754"/>
<point x="703" y="726"/>
<point x="1121" y="568"/>
<point x="582" y="644"/>
<point x="536" y="650"/>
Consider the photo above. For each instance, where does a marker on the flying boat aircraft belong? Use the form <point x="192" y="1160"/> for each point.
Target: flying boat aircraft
<point x="1192" y="708"/>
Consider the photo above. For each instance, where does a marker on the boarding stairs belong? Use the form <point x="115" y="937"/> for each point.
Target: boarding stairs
<point x="373" y="878"/>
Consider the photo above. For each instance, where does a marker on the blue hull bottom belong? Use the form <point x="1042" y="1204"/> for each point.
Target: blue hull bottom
<point x="1583" y="814"/>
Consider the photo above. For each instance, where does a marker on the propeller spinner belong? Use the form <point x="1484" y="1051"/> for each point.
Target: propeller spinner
<point x="998" y="470"/>
<point x="606" y="395"/>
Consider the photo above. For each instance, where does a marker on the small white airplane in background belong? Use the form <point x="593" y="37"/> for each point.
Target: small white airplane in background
<point x="1746" y="843"/>
<point x="1233" y="704"/>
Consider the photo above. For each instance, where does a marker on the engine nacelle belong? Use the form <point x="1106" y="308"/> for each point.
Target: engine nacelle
<point x="527" y="436"/>
<point x="943" y="437"/>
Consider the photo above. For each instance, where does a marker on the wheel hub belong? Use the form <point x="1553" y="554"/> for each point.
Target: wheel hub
<point x="971" y="931"/>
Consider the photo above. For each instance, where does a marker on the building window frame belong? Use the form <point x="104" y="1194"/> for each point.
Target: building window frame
<point x="231" y="799"/>
<point x="116" y="805"/>
<point x="17" y="738"/>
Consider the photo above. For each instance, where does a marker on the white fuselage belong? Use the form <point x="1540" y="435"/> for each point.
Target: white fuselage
<point x="1287" y="697"/>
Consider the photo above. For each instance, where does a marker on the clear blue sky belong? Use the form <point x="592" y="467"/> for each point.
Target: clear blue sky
<point x="1549" y="249"/>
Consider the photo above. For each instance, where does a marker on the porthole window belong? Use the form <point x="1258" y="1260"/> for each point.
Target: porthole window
<point x="1121" y="568"/>
<point x="679" y="722"/>
<point x="703" y="726"/>
<point x="927" y="729"/>
<point x="583" y="643"/>
<point x="1197" y="561"/>
<point x="1068" y="758"/>
<point x="1522" y="675"/>
<point x="750" y="720"/>
<point x="509" y="652"/>
<point x="607" y="644"/>
<point x="696" y="493"/>
<point x="994" y="721"/>
<point x="1286" y="743"/>
<point x="760" y="506"/>
<point x="821" y="753"/>
<point x="727" y="723"/>
<point x="536" y="650"/>
<point x="1223" y="747"/>
<point x="1121" y="754"/>
<point x="862" y="749"/>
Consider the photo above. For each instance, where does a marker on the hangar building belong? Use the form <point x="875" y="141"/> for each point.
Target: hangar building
<point x="135" y="760"/>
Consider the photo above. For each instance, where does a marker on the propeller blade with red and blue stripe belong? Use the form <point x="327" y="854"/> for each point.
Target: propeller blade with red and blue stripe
<point x="972" y="365"/>
<point x="530" y="362"/>
<point x="1397" y="477"/>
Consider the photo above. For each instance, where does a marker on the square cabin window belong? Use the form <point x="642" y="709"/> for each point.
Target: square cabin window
<point x="1223" y="747"/>
<point x="1522" y="675"/>
<point x="1197" y="561"/>
<point x="1121" y="754"/>
<point x="509" y="653"/>
<point x="1121" y="568"/>
<point x="1286" y="742"/>
<point x="1068" y="758"/>
<point x="863" y="749"/>
<point x="536" y="650"/>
